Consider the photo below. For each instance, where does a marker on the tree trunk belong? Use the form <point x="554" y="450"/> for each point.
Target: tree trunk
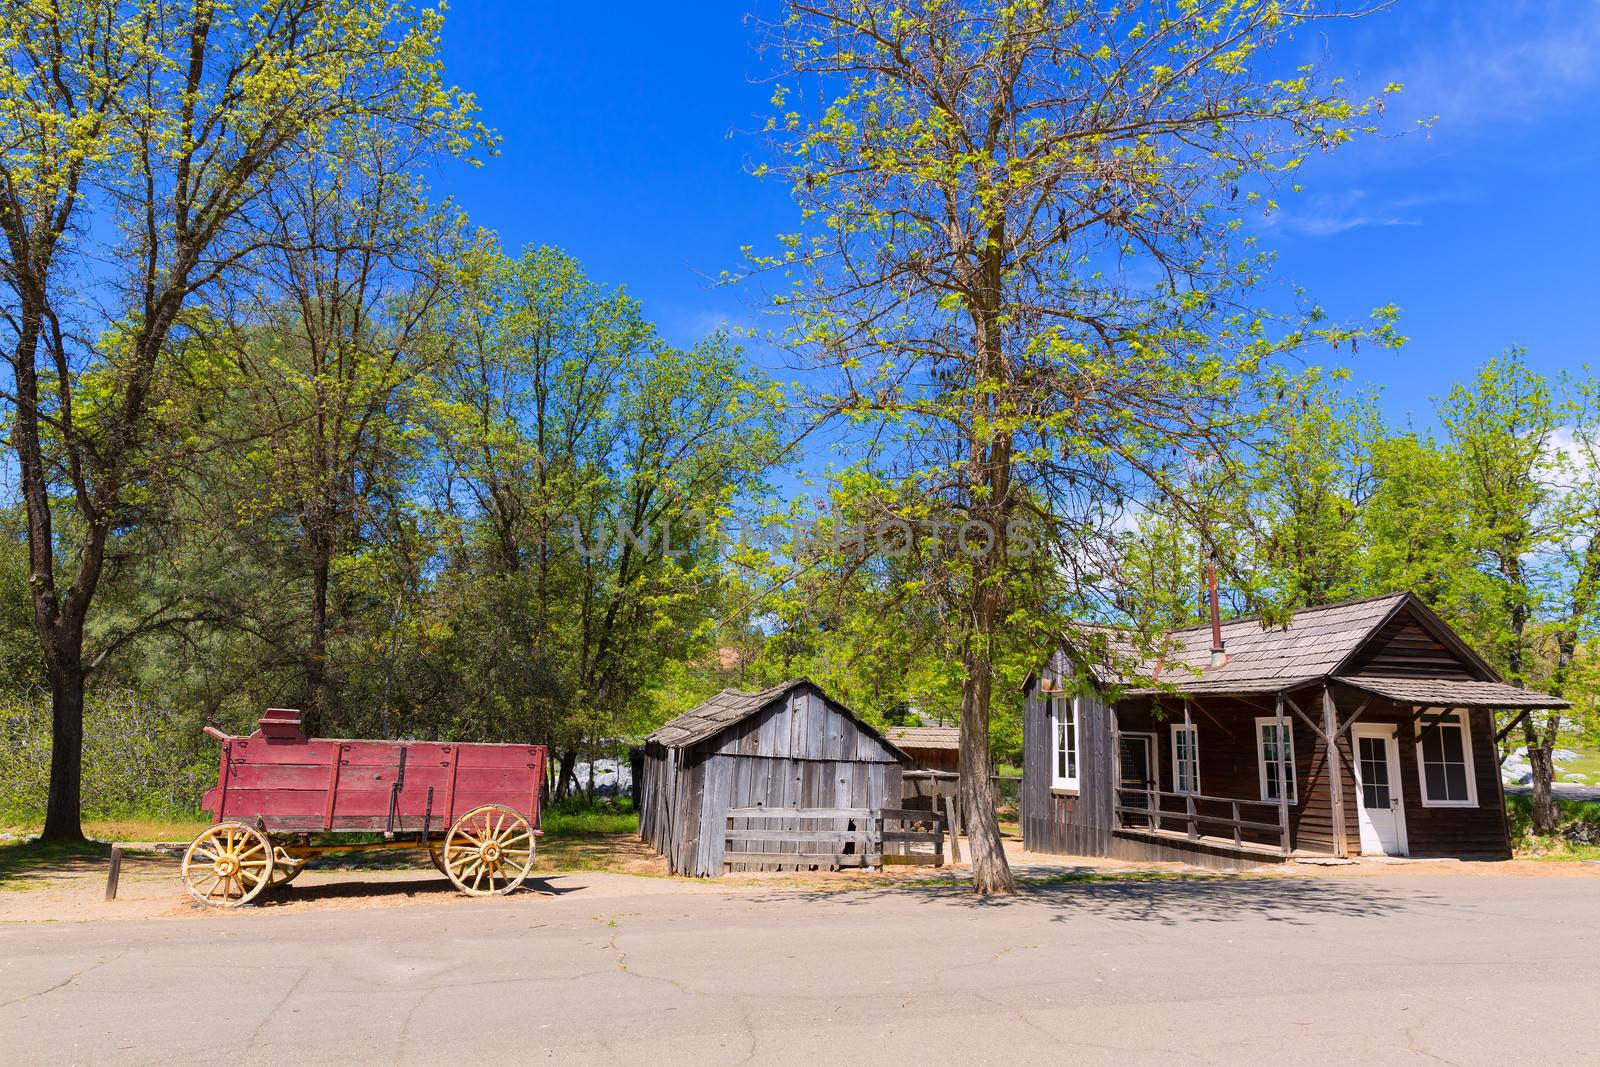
<point x="318" y="688"/>
<point x="1542" y="764"/>
<point x="564" y="775"/>
<point x="62" y="820"/>
<point x="990" y="872"/>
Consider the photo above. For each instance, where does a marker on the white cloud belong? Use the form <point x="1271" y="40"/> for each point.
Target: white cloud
<point x="1504" y="61"/>
<point x="1324" y="215"/>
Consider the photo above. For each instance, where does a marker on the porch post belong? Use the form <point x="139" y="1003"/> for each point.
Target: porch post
<point x="1194" y="761"/>
<point x="1330" y="723"/>
<point x="1283" y="781"/>
<point x="1116" y="766"/>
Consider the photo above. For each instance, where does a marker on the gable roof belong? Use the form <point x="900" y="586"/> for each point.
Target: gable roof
<point x="1313" y="645"/>
<point x="945" y="738"/>
<point x="734" y="705"/>
<point x="1318" y="643"/>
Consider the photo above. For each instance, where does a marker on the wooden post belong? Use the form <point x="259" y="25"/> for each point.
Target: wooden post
<point x="1191" y="748"/>
<point x="1330" y="722"/>
<point x="1238" y="831"/>
<point x="950" y="821"/>
<point x="1283" y="781"/>
<point x="1116" y="767"/>
<point x="115" y="873"/>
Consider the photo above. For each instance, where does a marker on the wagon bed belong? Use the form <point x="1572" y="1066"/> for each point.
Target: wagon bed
<point x="290" y="783"/>
<point x="474" y="807"/>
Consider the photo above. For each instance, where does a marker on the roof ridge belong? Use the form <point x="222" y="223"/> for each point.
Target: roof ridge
<point x="1295" y="612"/>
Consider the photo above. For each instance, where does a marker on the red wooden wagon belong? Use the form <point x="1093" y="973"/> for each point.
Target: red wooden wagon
<point x="473" y="807"/>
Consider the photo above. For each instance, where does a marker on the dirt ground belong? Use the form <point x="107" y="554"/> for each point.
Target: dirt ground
<point x="71" y="888"/>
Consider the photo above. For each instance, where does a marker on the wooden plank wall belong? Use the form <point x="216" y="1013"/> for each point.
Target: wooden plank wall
<point x="1405" y="648"/>
<point x="1055" y="822"/>
<point x="1475" y="833"/>
<point x="802" y="751"/>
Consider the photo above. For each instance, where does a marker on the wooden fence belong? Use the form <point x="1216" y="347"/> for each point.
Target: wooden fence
<point x="802" y="839"/>
<point x="1152" y="816"/>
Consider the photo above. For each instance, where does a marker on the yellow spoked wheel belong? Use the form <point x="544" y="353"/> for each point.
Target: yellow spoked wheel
<point x="436" y="854"/>
<point x="228" y="865"/>
<point x="285" y="868"/>
<point x="488" y="851"/>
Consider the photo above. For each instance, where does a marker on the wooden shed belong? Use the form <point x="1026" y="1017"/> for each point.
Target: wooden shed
<point x="790" y="747"/>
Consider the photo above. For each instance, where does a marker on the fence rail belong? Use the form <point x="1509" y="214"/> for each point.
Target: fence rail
<point x="1193" y="818"/>
<point x="830" y="838"/>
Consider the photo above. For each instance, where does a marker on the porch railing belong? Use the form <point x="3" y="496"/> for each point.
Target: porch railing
<point x="1193" y="818"/>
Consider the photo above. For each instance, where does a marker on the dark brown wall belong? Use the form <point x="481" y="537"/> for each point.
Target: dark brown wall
<point x="1406" y="648"/>
<point x="1479" y="832"/>
<point x="1225" y="730"/>
<point x="933" y="759"/>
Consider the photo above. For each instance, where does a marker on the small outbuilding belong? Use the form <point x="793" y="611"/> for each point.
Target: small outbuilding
<point x="788" y="747"/>
<point x="931" y="748"/>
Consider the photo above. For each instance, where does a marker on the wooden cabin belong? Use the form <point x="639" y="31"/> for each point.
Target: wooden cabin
<point x="1361" y="728"/>
<point x="788" y="747"/>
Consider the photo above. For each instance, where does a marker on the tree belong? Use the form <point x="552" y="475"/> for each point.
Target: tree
<point x="1529" y="509"/>
<point x="169" y="119"/>
<point x="590" y="466"/>
<point x="1022" y="257"/>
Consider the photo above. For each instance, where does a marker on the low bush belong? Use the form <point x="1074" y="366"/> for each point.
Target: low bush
<point x="140" y="760"/>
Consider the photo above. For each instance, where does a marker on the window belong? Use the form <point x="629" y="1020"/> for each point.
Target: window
<point x="1064" y="742"/>
<point x="1185" y="759"/>
<point x="1444" y="759"/>
<point x="1267" y="753"/>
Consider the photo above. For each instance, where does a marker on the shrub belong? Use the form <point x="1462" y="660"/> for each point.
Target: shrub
<point x="140" y="760"/>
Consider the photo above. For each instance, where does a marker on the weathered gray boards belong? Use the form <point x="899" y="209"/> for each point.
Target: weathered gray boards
<point x="787" y="747"/>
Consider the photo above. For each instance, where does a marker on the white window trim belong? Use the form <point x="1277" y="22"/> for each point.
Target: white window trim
<point x="1262" y="723"/>
<point x="1464" y="717"/>
<point x="1194" y="748"/>
<point x="1058" y="781"/>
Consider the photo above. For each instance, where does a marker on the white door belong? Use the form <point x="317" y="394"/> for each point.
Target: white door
<point x="1379" y="809"/>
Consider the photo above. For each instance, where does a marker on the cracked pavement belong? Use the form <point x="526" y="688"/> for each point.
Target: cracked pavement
<point x="1400" y="969"/>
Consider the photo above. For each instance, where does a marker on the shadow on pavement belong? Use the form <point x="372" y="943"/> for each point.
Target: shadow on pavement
<point x="432" y="884"/>
<point x="1163" y="899"/>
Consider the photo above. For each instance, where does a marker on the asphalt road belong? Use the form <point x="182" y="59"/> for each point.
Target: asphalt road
<point x="1465" y="969"/>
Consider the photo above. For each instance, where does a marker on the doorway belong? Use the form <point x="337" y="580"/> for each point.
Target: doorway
<point x="1380" y="803"/>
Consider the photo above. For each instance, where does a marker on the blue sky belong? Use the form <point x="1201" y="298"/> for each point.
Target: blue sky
<point x="624" y="144"/>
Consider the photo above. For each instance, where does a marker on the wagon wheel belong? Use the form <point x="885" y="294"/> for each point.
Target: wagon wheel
<point x="228" y="865"/>
<point x="488" y="851"/>
<point x="285" y="868"/>
<point x="436" y="854"/>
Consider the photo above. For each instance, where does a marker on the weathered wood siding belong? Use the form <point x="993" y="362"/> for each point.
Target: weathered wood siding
<point x="1403" y="647"/>
<point x="801" y="751"/>
<point x="1054" y="820"/>
<point x="1473" y="833"/>
<point x="1225" y="730"/>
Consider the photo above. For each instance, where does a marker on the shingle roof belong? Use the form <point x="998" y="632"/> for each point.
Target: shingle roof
<point x="731" y="706"/>
<point x="1314" y="644"/>
<point x="722" y="710"/>
<point x="1455" y="693"/>
<point x="926" y="737"/>
<point x="1266" y="658"/>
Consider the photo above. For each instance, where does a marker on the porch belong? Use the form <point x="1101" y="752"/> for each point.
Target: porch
<point x="1336" y="768"/>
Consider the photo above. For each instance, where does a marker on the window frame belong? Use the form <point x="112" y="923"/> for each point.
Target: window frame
<point x="1463" y="718"/>
<point x="1263" y="722"/>
<point x="1194" y="759"/>
<point x="1068" y="783"/>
